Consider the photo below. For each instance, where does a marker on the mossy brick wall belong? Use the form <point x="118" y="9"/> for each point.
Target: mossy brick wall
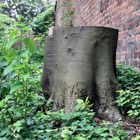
<point x="121" y="14"/>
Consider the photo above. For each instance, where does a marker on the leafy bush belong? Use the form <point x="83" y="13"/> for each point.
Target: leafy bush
<point x="128" y="99"/>
<point x="128" y="77"/>
<point x="19" y="81"/>
<point x="23" y="10"/>
<point x="43" y="21"/>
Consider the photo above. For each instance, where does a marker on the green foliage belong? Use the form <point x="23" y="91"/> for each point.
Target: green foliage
<point x="5" y="19"/>
<point x="5" y="26"/>
<point x="19" y="83"/>
<point x="51" y="125"/>
<point x="22" y="10"/>
<point x="136" y="138"/>
<point x="43" y="21"/>
<point x="33" y="13"/>
<point x="129" y="102"/>
<point x="128" y="77"/>
<point x="128" y="99"/>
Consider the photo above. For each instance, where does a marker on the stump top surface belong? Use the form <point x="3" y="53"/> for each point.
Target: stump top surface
<point x="85" y="32"/>
<point x="86" y="28"/>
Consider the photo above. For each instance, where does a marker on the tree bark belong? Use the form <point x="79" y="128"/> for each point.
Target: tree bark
<point x="80" y="62"/>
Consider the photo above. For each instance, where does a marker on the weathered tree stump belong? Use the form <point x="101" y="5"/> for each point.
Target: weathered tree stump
<point x="81" y="62"/>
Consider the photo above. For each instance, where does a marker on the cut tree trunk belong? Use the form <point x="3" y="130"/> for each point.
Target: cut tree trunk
<point x="80" y="62"/>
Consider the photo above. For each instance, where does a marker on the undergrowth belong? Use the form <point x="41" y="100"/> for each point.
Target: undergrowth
<point x="128" y="99"/>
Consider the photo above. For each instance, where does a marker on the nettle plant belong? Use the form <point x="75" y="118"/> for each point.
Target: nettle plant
<point x="128" y="99"/>
<point x="19" y="81"/>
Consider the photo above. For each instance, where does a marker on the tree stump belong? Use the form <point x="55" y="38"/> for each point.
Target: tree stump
<point x="81" y="62"/>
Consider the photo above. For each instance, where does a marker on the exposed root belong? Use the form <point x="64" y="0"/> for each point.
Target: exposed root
<point x="110" y="113"/>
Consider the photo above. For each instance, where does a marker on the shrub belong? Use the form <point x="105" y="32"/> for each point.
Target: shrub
<point x="128" y="99"/>
<point x="43" y="21"/>
<point x="128" y="77"/>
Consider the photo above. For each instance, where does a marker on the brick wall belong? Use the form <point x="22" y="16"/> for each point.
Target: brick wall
<point x="121" y="14"/>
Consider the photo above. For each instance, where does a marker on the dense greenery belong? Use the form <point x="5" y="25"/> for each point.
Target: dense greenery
<point x="24" y="112"/>
<point x="128" y="99"/>
<point x="23" y="10"/>
<point x="33" y="13"/>
<point x="43" y="21"/>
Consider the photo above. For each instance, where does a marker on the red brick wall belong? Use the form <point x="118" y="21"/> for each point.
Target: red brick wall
<point x="121" y="14"/>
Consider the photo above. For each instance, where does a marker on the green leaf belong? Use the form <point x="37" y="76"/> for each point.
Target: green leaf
<point x="65" y="133"/>
<point x="25" y="76"/>
<point x="11" y="42"/>
<point x="136" y="113"/>
<point x="8" y="97"/>
<point x="30" y="44"/>
<point x="79" y="101"/>
<point x="130" y="111"/>
<point x="8" y="69"/>
<point x="68" y="116"/>
<point x="2" y="104"/>
<point x="136" y="138"/>
<point x="99" y="130"/>
<point x="4" y="132"/>
<point x="80" y="138"/>
<point x="115" y="138"/>
<point x="17" y="126"/>
<point x="13" y="33"/>
<point x="4" y="138"/>
<point x="10" y="56"/>
<point x="15" y="86"/>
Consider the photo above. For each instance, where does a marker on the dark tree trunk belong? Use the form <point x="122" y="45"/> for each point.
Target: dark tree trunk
<point x="80" y="62"/>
